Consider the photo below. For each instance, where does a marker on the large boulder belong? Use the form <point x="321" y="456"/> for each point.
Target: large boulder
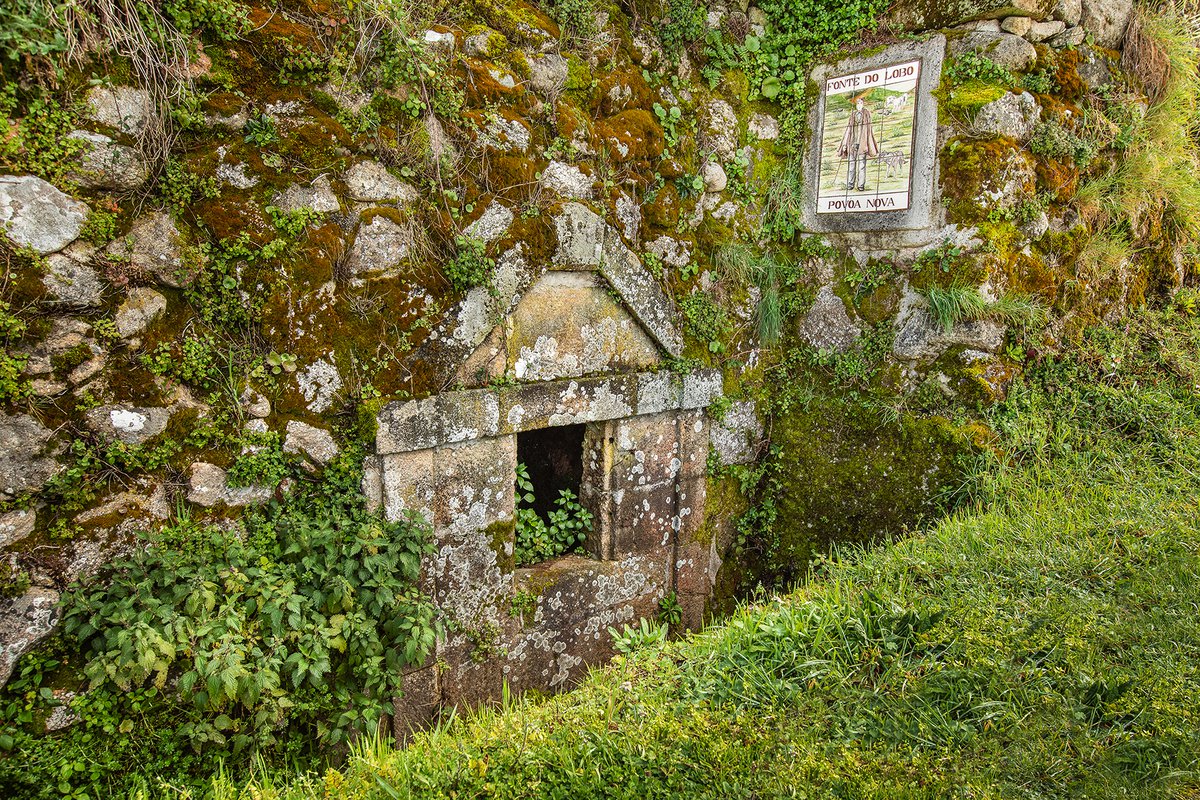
<point x="37" y="215"/>
<point x="26" y="455"/>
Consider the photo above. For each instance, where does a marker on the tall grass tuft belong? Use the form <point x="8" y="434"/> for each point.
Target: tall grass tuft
<point x="958" y="303"/>
<point x="744" y="266"/>
<point x="1152" y="194"/>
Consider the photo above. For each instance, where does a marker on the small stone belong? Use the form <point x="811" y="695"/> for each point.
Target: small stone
<point x="318" y="197"/>
<point x="764" y="127"/>
<point x="1069" y="11"/>
<point x="1017" y="26"/>
<point x="439" y="143"/>
<point x="477" y="44"/>
<point x="26" y="460"/>
<point x="380" y="246"/>
<point x="547" y="74"/>
<point x="155" y="245"/>
<point x="737" y="435"/>
<point x="718" y="133"/>
<point x="318" y="383"/>
<point x="670" y="251"/>
<point x="715" y="179"/>
<point x="16" y="525"/>
<point x="71" y="280"/>
<point x="506" y="134"/>
<point x="370" y="182"/>
<point x="1036" y="228"/>
<point x="47" y="387"/>
<point x="37" y="215"/>
<point x="207" y="487"/>
<point x="256" y="404"/>
<point x="65" y="334"/>
<point x="87" y="370"/>
<point x="1071" y="37"/>
<point x="104" y="164"/>
<point x="827" y="326"/>
<point x="234" y="174"/>
<point x="1013" y="115"/>
<point x="129" y="424"/>
<point x="1041" y="31"/>
<point x="629" y="214"/>
<point x="141" y="308"/>
<point x="984" y="25"/>
<point x="503" y="77"/>
<point x="285" y="108"/>
<point x="441" y="42"/>
<point x="1094" y="68"/>
<point x="62" y="716"/>
<point x="307" y="440"/>
<point x="492" y="224"/>
<point x="566" y="180"/>
<point x="25" y="621"/>
<point x="124" y="108"/>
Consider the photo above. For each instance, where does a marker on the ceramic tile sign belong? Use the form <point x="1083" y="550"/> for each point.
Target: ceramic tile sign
<point x="867" y="140"/>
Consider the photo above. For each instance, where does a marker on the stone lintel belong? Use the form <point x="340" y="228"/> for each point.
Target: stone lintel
<point x="481" y="413"/>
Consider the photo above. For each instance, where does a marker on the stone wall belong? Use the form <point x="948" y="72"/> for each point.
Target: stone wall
<point x="453" y="460"/>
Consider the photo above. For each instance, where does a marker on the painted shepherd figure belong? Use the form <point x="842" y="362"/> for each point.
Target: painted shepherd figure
<point x="858" y="144"/>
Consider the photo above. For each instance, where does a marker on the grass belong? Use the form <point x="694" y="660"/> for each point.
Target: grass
<point x="1152" y="193"/>
<point x="1040" y="642"/>
<point x="953" y="304"/>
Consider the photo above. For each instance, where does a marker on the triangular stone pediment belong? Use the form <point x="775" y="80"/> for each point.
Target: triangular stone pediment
<point x="594" y="309"/>
<point x="566" y="325"/>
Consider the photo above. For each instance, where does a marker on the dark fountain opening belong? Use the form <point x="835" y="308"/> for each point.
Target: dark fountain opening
<point x="554" y="459"/>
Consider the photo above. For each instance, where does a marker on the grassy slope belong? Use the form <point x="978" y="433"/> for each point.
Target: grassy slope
<point x="1044" y="643"/>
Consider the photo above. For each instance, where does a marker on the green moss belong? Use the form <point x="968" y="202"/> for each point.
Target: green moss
<point x="847" y="476"/>
<point x="501" y="534"/>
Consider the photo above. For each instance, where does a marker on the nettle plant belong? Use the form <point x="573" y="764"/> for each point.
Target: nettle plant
<point x="303" y="623"/>
<point x="564" y="530"/>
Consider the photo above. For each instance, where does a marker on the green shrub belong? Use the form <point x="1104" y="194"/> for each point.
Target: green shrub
<point x="470" y="266"/>
<point x="181" y="187"/>
<point x="564" y="532"/>
<point x="706" y="320"/>
<point x="308" y="621"/>
<point x="262" y="461"/>
<point x="972" y="66"/>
